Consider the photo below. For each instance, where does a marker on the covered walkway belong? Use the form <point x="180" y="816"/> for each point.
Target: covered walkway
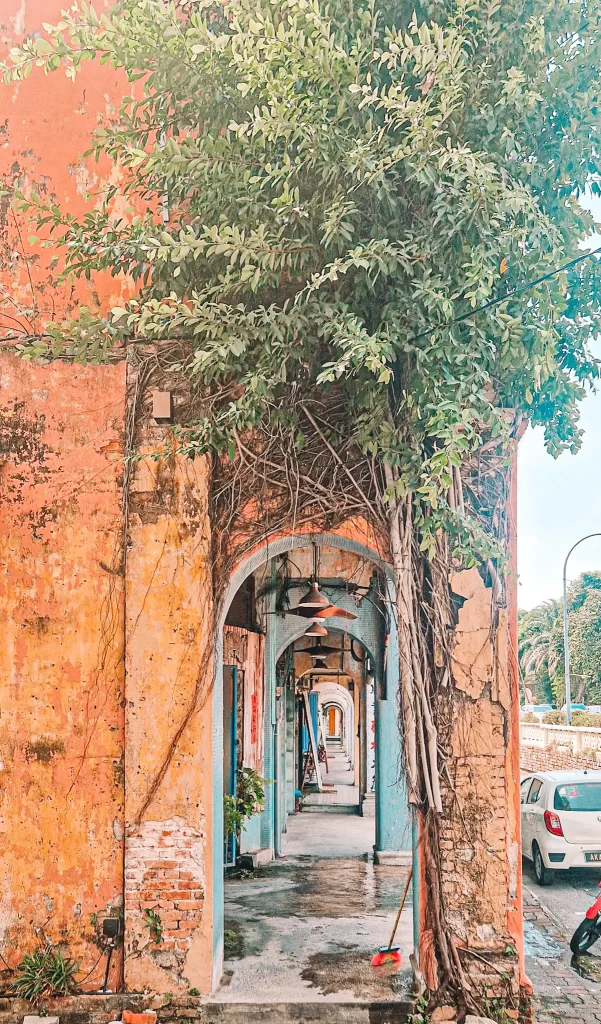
<point x="303" y="929"/>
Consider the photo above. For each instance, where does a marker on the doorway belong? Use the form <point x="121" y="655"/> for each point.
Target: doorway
<point x="334" y="793"/>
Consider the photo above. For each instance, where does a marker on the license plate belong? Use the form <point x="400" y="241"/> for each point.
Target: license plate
<point x="591" y="858"/>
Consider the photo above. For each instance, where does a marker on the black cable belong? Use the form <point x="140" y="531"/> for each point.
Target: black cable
<point x="511" y="294"/>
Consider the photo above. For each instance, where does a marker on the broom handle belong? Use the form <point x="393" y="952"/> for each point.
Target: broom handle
<point x="400" y="910"/>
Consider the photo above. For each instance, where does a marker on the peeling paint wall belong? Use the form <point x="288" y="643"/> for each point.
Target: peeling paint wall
<point x="169" y="642"/>
<point x="480" y="845"/>
<point x="61" y="671"/>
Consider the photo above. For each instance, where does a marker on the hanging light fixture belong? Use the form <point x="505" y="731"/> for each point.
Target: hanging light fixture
<point x="315" y="629"/>
<point x="320" y="663"/>
<point x="319" y="650"/>
<point x="314" y="598"/>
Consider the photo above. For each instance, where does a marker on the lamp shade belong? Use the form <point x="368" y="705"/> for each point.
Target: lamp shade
<point x="316" y="629"/>
<point x="314" y="598"/>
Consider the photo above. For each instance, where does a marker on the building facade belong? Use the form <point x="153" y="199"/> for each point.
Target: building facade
<point x="129" y="699"/>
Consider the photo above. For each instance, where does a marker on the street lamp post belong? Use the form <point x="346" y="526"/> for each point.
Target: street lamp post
<point x="566" y="649"/>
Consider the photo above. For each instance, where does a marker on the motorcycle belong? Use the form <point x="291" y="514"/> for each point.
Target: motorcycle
<point x="589" y="930"/>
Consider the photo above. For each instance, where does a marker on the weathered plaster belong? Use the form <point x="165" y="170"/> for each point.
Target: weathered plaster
<point x="169" y="641"/>
<point x="61" y="673"/>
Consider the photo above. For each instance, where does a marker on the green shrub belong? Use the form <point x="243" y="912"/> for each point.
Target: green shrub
<point x="45" y="972"/>
<point x="578" y="718"/>
<point x="250" y="793"/>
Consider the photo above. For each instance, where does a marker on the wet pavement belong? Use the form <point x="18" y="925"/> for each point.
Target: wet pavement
<point x="567" y="988"/>
<point x="304" y="930"/>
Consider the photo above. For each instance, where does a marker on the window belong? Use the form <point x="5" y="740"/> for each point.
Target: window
<point x="535" y="792"/>
<point x="578" y="796"/>
<point x="524" y="790"/>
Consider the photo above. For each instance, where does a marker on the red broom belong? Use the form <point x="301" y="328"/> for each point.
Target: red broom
<point x="391" y="954"/>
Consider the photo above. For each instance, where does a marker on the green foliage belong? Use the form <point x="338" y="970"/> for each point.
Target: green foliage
<point x="541" y="650"/>
<point x="345" y="185"/>
<point x="45" y="972"/>
<point x="578" y="718"/>
<point x="536" y="656"/>
<point x="155" y="925"/>
<point x="250" y="794"/>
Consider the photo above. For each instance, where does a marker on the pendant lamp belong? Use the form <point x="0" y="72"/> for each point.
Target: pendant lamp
<point x="314" y="599"/>
<point x="315" y="629"/>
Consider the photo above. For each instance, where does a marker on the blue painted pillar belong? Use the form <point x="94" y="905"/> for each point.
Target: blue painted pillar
<point x="269" y="765"/>
<point x="218" y="891"/>
<point x="393" y="818"/>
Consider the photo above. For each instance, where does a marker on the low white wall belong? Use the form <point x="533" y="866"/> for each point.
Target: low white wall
<point x="577" y="737"/>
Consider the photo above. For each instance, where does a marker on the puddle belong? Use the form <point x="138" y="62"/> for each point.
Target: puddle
<point x="351" y="971"/>
<point x="335" y="888"/>
<point x="539" y="945"/>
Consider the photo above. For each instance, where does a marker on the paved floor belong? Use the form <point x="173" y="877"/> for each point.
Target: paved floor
<point x="304" y="929"/>
<point x="338" y="779"/>
<point x="567" y="989"/>
<point x="327" y="835"/>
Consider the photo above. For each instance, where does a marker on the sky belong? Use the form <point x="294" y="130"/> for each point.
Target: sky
<point x="559" y="500"/>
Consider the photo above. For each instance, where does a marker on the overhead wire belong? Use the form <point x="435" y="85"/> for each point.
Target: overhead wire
<point x="512" y="293"/>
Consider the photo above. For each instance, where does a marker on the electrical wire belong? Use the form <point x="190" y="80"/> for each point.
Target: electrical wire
<point x="511" y="294"/>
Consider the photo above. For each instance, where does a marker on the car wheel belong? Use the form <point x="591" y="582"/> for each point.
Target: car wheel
<point x="544" y="876"/>
<point x="584" y="937"/>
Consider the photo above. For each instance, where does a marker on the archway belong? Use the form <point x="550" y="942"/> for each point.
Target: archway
<point x="393" y="832"/>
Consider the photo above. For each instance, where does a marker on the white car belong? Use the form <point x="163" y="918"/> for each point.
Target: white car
<point x="535" y="709"/>
<point x="561" y="821"/>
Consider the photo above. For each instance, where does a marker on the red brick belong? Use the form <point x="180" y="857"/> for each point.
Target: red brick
<point x="148" y="1017"/>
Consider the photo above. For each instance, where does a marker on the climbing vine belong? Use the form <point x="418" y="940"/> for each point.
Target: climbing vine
<point x="355" y="233"/>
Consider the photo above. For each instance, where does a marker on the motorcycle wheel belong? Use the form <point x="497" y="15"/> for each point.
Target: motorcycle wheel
<point x="584" y="937"/>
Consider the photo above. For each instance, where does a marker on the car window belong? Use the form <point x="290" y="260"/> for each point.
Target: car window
<point x="578" y="796"/>
<point x="535" y="792"/>
<point x="524" y="790"/>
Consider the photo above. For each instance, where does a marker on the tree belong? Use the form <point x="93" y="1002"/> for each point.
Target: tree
<point x="584" y="633"/>
<point x="368" y="205"/>
<point x="537" y="656"/>
<point x="541" y="648"/>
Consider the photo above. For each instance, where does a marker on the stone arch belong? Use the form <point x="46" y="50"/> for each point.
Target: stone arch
<point x="390" y="779"/>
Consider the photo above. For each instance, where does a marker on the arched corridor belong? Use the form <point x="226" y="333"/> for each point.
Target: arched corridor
<point x="314" y="716"/>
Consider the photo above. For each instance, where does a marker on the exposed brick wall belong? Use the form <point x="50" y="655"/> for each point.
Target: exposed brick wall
<point x="534" y="760"/>
<point x="165" y="873"/>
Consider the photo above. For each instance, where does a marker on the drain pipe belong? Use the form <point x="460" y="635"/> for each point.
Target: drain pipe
<point x="416" y="881"/>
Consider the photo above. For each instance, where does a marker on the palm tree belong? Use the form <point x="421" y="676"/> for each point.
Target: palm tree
<point x="536" y="653"/>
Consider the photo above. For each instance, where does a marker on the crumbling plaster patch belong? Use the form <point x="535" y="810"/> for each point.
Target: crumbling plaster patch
<point x="473" y="649"/>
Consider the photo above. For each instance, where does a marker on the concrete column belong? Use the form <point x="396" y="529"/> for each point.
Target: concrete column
<point x="269" y="766"/>
<point x="393" y="820"/>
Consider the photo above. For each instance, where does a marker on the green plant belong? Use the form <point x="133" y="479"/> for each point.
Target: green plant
<point x="581" y="718"/>
<point x="193" y="992"/>
<point x="154" y="923"/>
<point x="496" y="1011"/>
<point x="250" y="793"/>
<point x="420" y="1014"/>
<point x="45" y="972"/>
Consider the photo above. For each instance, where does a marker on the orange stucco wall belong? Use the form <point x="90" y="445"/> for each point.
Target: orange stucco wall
<point x="45" y="126"/>
<point x="169" y="641"/>
<point x="61" y="672"/>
